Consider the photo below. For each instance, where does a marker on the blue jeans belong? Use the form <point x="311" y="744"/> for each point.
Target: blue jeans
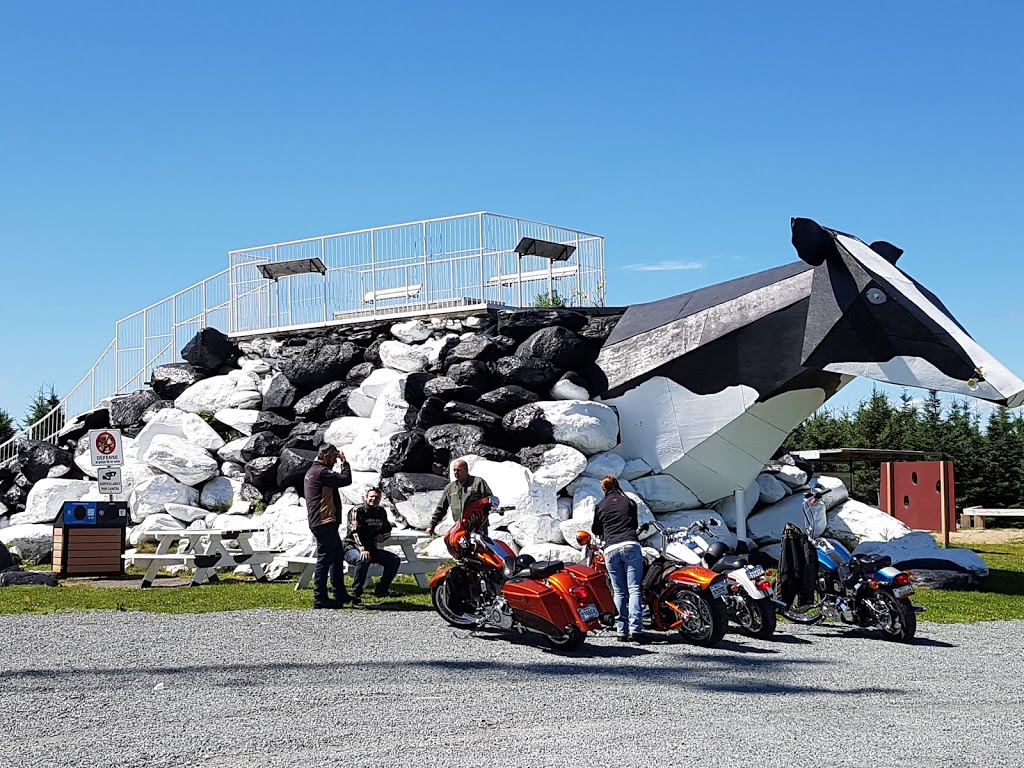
<point x="388" y="560"/>
<point x="626" y="568"/>
<point x="329" y="562"/>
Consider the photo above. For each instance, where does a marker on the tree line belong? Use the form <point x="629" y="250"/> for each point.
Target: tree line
<point x="987" y="453"/>
<point x="44" y="401"/>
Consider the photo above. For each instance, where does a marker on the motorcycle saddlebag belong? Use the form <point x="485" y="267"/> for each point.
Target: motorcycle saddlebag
<point x="597" y="583"/>
<point x="537" y="606"/>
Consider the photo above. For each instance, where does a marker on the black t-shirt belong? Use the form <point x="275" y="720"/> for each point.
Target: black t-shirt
<point x="367" y="523"/>
<point x="615" y="519"/>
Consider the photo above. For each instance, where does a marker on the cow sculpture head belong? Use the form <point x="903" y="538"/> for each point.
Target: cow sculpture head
<point x="710" y="383"/>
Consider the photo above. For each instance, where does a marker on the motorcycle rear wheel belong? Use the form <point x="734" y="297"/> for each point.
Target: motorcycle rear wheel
<point x="708" y="620"/>
<point x="901" y="622"/>
<point x="756" y="618"/>
<point x="572" y="640"/>
<point x="441" y="598"/>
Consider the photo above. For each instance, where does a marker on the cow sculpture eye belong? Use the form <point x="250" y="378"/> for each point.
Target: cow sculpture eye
<point x="876" y="296"/>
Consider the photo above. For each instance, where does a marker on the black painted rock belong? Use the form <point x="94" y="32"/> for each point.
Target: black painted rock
<point x="303" y="436"/>
<point x="414" y="390"/>
<point x="271" y="422"/>
<point x="128" y="410"/>
<point x="474" y="348"/>
<point x="571" y="386"/>
<point x="153" y="408"/>
<point x="262" y="473"/>
<point x="452" y="440"/>
<point x="527" y="372"/>
<point x="403" y="485"/>
<point x="291" y="468"/>
<point x="506" y="344"/>
<point x="97" y="418"/>
<point x="40" y="460"/>
<point x="210" y="350"/>
<point x="529" y="425"/>
<point x="360" y="372"/>
<point x="598" y="329"/>
<point x="450" y="343"/>
<point x="447" y="389"/>
<point x="431" y="413"/>
<point x="372" y="353"/>
<point x="261" y="444"/>
<point x="557" y="345"/>
<point x="494" y="454"/>
<point x="6" y="558"/>
<point x="532" y="457"/>
<point x="504" y="399"/>
<point x="171" y="379"/>
<point x="410" y="452"/>
<point x="520" y="323"/>
<point x="338" y="406"/>
<point x="313" y="406"/>
<point x="280" y="394"/>
<point x="320" y="362"/>
<point x="472" y="373"/>
<point x="463" y="413"/>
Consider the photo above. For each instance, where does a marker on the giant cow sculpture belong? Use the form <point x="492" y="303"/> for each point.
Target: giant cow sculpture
<point x="710" y="383"/>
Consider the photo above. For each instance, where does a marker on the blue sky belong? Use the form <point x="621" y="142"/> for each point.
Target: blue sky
<point x="139" y="142"/>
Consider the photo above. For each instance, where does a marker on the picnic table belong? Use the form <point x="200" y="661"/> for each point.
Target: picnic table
<point x="412" y="562"/>
<point x="205" y="551"/>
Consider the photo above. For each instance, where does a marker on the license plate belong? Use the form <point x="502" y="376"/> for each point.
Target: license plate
<point x="719" y="589"/>
<point x="754" y="571"/>
<point x="588" y="612"/>
<point x="903" y="591"/>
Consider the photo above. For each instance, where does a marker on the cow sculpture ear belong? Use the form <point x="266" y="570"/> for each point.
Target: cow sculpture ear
<point x="887" y="251"/>
<point x="814" y="244"/>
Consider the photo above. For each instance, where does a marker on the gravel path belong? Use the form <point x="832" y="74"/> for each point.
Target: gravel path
<point x="374" y="688"/>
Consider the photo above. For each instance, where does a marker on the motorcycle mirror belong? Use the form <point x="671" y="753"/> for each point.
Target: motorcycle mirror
<point x="495" y="501"/>
<point x="643" y="529"/>
<point x="714" y="522"/>
<point x="583" y="538"/>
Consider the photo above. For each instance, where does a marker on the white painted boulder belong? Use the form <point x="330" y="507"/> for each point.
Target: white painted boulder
<point x="47" y="497"/>
<point x="180" y="459"/>
<point x="346" y="431"/>
<point x="835" y="491"/>
<point x="402" y="357"/>
<point x="186" y="514"/>
<point x="369" y="452"/>
<point x="586" y="426"/>
<point x="378" y="381"/>
<point x="663" y="493"/>
<point x="564" y="507"/>
<point x="418" y="508"/>
<point x="607" y="464"/>
<point x="238" y="418"/>
<point x="536" y="529"/>
<point x="792" y="476"/>
<point x="635" y="468"/>
<point x="852" y="522"/>
<point x="515" y="485"/>
<point x="153" y="524"/>
<point x="765" y="526"/>
<point x="561" y="552"/>
<point x="388" y="414"/>
<point x="566" y="390"/>
<point x="770" y="489"/>
<point x="232" y="450"/>
<point x="360" y="403"/>
<point x="411" y="332"/>
<point x="286" y="527"/>
<point x="233" y="469"/>
<point x="219" y="493"/>
<point x="235" y="390"/>
<point x="726" y="508"/>
<point x="33" y="540"/>
<point x="918" y="549"/>
<point x="150" y="496"/>
<point x="560" y="466"/>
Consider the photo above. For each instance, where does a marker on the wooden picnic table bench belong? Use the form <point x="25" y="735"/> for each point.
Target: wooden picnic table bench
<point x="205" y="551"/>
<point x="974" y="517"/>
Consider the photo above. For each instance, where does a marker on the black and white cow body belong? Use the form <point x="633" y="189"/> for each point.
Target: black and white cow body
<point x="710" y="383"/>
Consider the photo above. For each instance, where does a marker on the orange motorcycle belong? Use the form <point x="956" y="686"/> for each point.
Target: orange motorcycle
<point x="490" y="586"/>
<point x="677" y="597"/>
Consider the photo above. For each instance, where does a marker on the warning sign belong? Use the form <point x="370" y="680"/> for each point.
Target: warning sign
<point x="109" y="479"/>
<point x="105" y="447"/>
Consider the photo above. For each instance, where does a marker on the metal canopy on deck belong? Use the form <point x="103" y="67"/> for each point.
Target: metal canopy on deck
<point x="870" y="455"/>
<point x="280" y="269"/>
<point x="530" y="246"/>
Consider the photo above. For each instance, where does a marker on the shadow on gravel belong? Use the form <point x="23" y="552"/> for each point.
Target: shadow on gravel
<point x="875" y="635"/>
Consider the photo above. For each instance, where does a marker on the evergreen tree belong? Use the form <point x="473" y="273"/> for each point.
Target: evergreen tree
<point x="7" y="426"/>
<point x="931" y="431"/>
<point x="1003" y="465"/>
<point x="964" y="445"/>
<point x="43" y="404"/>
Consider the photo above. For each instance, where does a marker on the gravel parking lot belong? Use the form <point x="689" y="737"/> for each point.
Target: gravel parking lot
<point x="380" y="688"/>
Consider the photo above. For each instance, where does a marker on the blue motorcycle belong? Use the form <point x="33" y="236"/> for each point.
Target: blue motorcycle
<point x="863" y="590"/>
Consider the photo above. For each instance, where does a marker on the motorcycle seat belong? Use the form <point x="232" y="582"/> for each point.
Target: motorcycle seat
<point x="545" y="568"/>
<point x="729" y="563"/>
<point x="870" y="562"/>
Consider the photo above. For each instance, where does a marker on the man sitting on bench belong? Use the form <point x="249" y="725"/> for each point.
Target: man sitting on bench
<point x="368" y="527"/>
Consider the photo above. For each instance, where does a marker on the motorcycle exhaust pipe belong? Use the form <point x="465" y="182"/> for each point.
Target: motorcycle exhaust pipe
<point x="919" y="608"/>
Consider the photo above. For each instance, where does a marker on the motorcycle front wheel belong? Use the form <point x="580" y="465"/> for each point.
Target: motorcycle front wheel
<point x="755" y="618"/>
<point x="572" y="640"/>
<point x="895" y="615"/>
<point x="446" y="608"/>
<point x="703" y="620"/>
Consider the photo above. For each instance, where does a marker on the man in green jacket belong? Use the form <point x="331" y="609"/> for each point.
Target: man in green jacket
<point x="464" y="489"/>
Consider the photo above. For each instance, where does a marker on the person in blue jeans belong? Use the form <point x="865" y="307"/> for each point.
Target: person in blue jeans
<point x="368" y="528"/>
<point x="615" y="522"/>
<point x="323" y="508"/>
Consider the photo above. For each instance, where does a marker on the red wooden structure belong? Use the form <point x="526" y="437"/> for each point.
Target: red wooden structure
<point x="919" y="493"/>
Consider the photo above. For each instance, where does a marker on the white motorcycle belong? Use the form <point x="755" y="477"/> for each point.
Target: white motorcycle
<point x="750" y="600"/>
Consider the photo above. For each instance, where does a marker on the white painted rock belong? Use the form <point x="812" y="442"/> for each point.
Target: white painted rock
<point x="836" y="492"/>
<point x="586" y="426"/>
<point x="347" y="430"/>
<point x="419" y="508"/>
<point x="515" y="485"/>
<point x="233" y="469"/>
<point x="197" y="431"/>
<point x="770" y="489"/>
<point x="663" y="493"/>
<point x="412" y="331"/>
<point x="581" y="522"/>
<point x="432" y="347"/>
<point x="254" y="365"/>
<point x="180" y="459"/>
<point x="918" y="549"/>
<point x="286" y="527"/>
<point x="586" y="492"/>
<point x="232" y="451"/>
<point x="765" y="526"/>
<point x="853" y="522"/>
<point x="437" y="548"/>
<point x="561" y="552"/>
<point x="219" y="493"/>
<point x="566" y="390"/>
<point x="361" y="482"/>
<point x="368" y="452"/>
<point x="186" y="514"/>
<point x="726" y="508"/>
<point x="561" y="465"/>
<point x="538" y="529"/>
<point x="635" y="468"/>
<point x="564" y="507"/>
<point x="602" y="465"/>
<point x="235" y="390"/>
<point x="153" y="524"/>
<point x="402" y="357"/>
<point x="150" y="495"/>
<point x="360" y="403"/>
<point x="794" y="477"/>
<point x="33" y="540"/>
<point x="378" y="381"/>
<point x="506" y="537"/>
<point x="388" y="415"/>
<point x="46" y="499"/>
<point x="684" y="519"/>
<point x="237" y="418"/>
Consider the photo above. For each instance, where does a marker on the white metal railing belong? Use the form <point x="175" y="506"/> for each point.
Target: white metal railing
<point x="435" y="263"/>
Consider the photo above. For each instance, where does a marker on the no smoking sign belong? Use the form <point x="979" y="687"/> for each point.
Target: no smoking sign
<point x="105" y="447"/>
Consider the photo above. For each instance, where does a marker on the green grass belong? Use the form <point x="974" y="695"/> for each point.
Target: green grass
<point x="1002" y="597"/>
<point x="230" y="594"/>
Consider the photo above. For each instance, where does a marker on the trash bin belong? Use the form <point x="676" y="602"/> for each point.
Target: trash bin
<point x="89" y="538"/>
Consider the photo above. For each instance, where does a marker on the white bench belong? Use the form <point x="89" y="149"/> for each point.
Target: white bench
<point x="206" y="551"/>
<point x="974" y="517"/>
